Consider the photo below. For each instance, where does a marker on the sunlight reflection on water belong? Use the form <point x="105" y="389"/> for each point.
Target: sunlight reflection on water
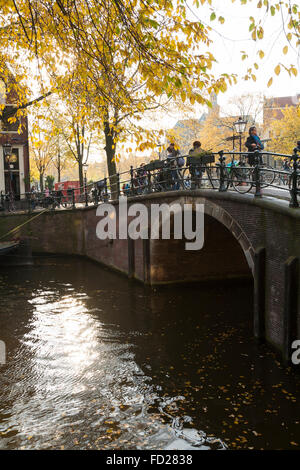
<point x="74" y="381"/>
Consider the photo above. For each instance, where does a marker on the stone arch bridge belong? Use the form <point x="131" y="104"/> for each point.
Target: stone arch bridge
<point x="245" y="237"/>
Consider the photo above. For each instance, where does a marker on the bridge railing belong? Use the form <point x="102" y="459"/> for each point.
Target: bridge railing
<point x="245" y="172"/>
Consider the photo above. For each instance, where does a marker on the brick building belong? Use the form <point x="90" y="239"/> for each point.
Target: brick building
<point x="274" y="107"/>
<point x="14" y="170"/>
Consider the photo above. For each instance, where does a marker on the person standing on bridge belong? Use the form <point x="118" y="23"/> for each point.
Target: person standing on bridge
<point x="194" y="168"/>
<point x="254" y="144"/>
<point x="175" y="161"/>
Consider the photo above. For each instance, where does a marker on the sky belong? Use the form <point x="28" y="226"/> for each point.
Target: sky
<point x="232" y="37"/>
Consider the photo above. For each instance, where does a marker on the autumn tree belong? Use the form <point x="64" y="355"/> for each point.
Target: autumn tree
<point x="126" y="56"/>
<point x="212" y="134"/>
<point x="285" y="132"/>
<point x="42" y="150"/>
<point x="74" y="135"/>
<point x="63" y="158"/>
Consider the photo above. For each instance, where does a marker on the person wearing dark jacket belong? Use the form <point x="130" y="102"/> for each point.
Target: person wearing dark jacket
<point x="195" y="169"/>
<point x="253" y="142"/>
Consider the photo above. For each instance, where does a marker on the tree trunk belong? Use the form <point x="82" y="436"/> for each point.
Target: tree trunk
<point x="80" y="174"/>
<point x="58" y="168"/>
<point x="110" y="149"/>
<point x="42" y="181"/>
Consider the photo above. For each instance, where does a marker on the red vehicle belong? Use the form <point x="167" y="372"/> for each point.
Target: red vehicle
<point x="64" y="186"/>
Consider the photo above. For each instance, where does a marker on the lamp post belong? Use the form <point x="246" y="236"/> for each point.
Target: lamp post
<point x="240" y="126"/>
<point x="158" y="146"/>
<point x="7" y="152"/>
<point x="8" y="157"/>
<point x="85" y="167"/>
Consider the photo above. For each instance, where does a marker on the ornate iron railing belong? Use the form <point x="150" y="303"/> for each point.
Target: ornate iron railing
<point x="246" y="172"/>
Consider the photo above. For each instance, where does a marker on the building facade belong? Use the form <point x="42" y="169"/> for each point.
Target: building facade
<point x="274" y="107"/>
<point x="14" y="170"/>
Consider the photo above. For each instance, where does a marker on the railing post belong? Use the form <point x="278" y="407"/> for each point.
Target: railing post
<point x="53" y="203"/>
<point x="73" y="199"/>
<point x="96" y="197"/>
<point x="28" y="197"/>
<point x="294" y="176"/>
<point x="222" y="171"/>
<point x="86" y="194"/>
<point x="131" y="179"/>
<point x="257" y="174"/>
<point x="149" y="181"/>
<point x="105" y="189"/>
<point x="118" y="185"/>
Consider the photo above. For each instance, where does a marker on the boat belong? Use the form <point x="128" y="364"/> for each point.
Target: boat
<point x="6" y="247"/>
<point x="15" y="253"/>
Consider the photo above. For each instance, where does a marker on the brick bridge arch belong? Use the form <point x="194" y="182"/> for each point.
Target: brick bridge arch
<point x="218" y="213"/>
<point x="226" y="219"/>
<point x="227" y="252"/>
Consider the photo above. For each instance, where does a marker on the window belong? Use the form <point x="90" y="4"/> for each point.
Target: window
<point x="12" y="163"/>
<point x="7" y="126"/>
<point x="6" y="112"/>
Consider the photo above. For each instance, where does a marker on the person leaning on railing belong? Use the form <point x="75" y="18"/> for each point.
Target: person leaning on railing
<point x="253" y="144"/>
<point x="141" y="178"/>
<point x="175" y="161"/>
<point x="195" y="170"/>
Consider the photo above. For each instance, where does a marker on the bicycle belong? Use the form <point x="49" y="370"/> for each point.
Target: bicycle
<point x="168" y="177"/>
<point x="242" y="177"/>
<point x="197" y="167"/>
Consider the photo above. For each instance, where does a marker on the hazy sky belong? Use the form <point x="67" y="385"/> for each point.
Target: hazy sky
<point x="233" y="36"/>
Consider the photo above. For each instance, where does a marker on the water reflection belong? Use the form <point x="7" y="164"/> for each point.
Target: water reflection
<point x="96" y="361"/>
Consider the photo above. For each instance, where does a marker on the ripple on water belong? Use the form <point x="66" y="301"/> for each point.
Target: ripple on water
<point x="73" y="371"/>
<point x="97" y="362"/>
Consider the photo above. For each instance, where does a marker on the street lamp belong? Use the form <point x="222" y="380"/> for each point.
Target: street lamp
<point x="85" y="167"/>
<point x="7" y="151"/>
<point x="158" y="146"/>
<point x="240" y="126"/>
<point x="161" y="144"/>
<point x="10" y="159"/>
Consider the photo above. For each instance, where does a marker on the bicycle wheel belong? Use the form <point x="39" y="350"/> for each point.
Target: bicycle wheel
<point x="157" y="184"/>
<point x="267" y="176"/>
<point x="227" y="180"/>
<point x="242" y="179"/>
<point x="185" y="179"/>
<point x="192" y="180"/>
<point x="212" y="177"/>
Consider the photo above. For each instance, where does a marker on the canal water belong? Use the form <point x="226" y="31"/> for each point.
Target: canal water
<point x="96" y="361"/>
